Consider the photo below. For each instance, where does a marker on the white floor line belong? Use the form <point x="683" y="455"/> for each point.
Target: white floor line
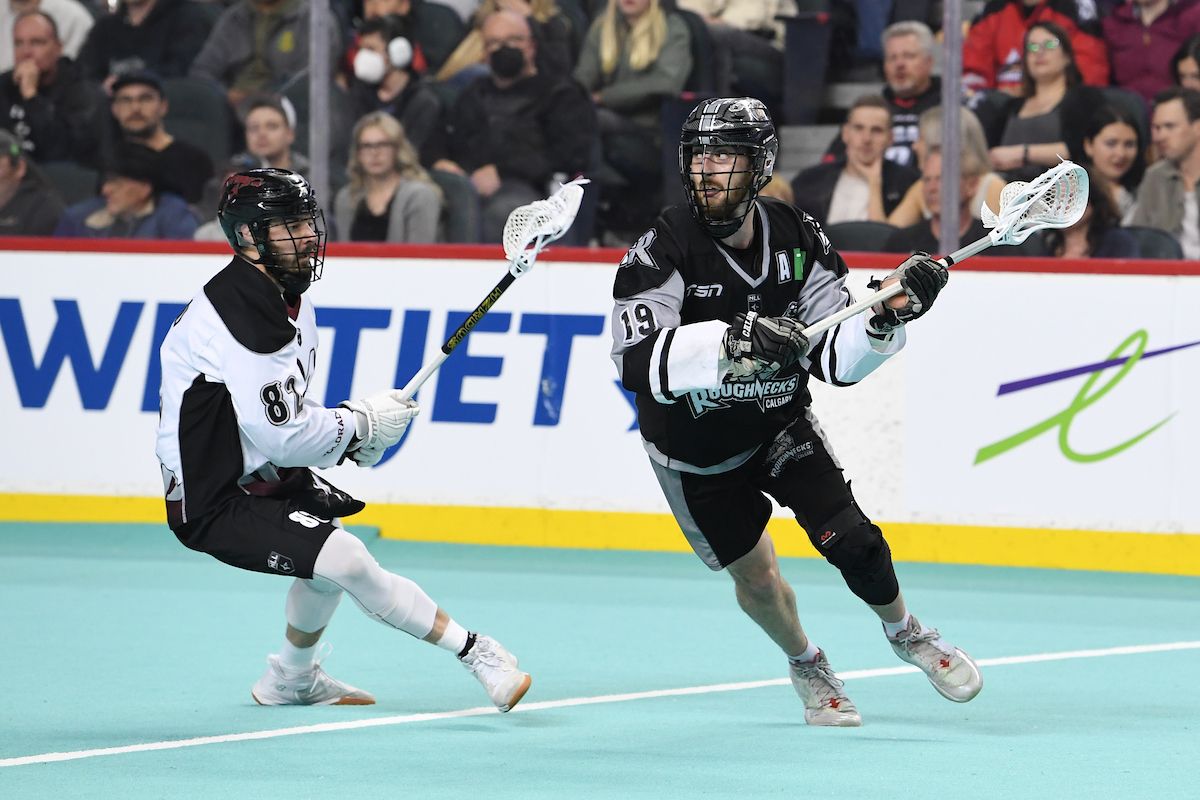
<point x="525" y="708"/>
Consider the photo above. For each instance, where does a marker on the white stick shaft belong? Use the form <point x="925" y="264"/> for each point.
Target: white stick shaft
<point x="854" y="309"/>
<point x="410" y="388"/>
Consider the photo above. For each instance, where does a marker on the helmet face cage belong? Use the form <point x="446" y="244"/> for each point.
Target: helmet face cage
<point x="291" y="260"/>
<point x="262" y="199"/>
<point x="715" y="131"/>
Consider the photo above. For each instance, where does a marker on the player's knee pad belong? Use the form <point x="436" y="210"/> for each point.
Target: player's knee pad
<point x="345" y="561"/>
<point x="855" y="545"/>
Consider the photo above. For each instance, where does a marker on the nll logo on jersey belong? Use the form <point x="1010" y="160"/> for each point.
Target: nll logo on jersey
<point x="768" y="394"/>
<point x="640" y="252"/>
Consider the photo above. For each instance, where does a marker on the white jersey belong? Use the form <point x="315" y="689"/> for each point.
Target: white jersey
<point x="236" y="365"/>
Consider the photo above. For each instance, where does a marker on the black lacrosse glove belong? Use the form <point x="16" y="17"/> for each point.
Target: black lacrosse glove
<point x="753" y="343"/>
<point x="922" y="278"/>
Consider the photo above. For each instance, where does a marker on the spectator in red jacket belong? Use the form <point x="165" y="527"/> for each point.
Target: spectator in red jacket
<point x="993" y="47"/>
<point x="1142" y="37"/>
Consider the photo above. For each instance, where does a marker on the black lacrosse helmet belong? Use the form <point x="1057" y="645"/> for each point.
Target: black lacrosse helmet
<point x="725" y="125"/>
<point x="265" y="198"/>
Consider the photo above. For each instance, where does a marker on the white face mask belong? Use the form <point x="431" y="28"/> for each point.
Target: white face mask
<point x="369" y="66"/>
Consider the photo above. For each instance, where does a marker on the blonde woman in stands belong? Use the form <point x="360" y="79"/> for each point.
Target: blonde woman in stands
<point x="557" y="46"/>
<point x="912" y="208"/>
<point x="390" y="197"/>
<point x="635" y="55"/>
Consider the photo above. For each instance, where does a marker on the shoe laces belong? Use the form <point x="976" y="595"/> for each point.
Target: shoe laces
<point x="820" y="676"/>
<point x="484" y="657"/>
<point x="912" y="637"/>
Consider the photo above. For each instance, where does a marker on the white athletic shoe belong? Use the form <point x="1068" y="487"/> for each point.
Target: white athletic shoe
<point x="280" y="686"/>
<point x="496" y="669"/>
<point x="949" y="669"/>
<point x="824" y="701"/>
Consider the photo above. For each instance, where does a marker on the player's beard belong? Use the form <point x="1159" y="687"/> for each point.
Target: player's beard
<point x="725" y="203"/>
<point x="297" y="262"/>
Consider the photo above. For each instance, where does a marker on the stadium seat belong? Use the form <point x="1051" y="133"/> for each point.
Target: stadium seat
<point x="339" y="126"/>
<point x="863" y="236"/>
<point x="199" y="114"/>
<point x="74" y="182"/>
<point x="805" y="59"/>
<point x="1155" y="243"/>
<point x="462" y="219"/>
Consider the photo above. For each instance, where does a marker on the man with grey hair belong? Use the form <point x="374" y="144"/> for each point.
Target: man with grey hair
<point x="911" y="88"/>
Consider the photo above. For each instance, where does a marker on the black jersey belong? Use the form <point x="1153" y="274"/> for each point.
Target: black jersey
<point x="677" y="290"/>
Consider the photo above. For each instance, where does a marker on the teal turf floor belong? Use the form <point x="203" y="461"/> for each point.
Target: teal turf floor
<point x="116" y="636"/>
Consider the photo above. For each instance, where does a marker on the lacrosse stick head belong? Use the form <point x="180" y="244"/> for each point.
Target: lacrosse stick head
<point x="1055" y="199"/>
<point x="531" y="227"/>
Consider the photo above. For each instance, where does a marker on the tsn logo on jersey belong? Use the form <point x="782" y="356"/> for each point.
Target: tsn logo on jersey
<point x="703" y="291"/>
<point x="769" y="394"/>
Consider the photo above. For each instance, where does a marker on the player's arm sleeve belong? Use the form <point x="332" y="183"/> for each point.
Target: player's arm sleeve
<point x="846" y="353"/>
<point x="656" y="355"/>
<point x="268" y="397"/>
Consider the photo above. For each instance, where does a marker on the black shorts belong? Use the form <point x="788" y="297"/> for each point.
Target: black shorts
<point x="724" y="515"/>
<point x="261" y="534"/>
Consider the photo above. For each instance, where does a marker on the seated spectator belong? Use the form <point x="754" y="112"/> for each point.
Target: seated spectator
<point x="1142" y="35"/>
<point x="390" y="197"/>
<point x="435" y="29"/>
<point x="44" y="100"/>
<point x="911" y="88"/>
<point x="1185" y="64"/>
<point x="270" y="134"/>
<point x="1097" y="234"/>
<point x="926" y="234"/>
<point x="557" y="43"/>
<point x="747" y="45"/>
<point x="863" y="185"/>
<point x="994" y="44"/>
<point x="1167" y="198"/>
<point x="258" y="45"/>
<point x="160" y="36"/>
<point x="211" y="231"/>
<point x="28" y="204"/>
<point x="139" y="107"/>
<point x="131" y="203"/>
<point x="633" y="57"/>
<point x="71" y="18"/>
<point x="385" y="80"/>
<point x="1113" y="148"/>
<point x="973" y="143"/>
<point x="512" y="130"/>
<point x="1035" y="126"/>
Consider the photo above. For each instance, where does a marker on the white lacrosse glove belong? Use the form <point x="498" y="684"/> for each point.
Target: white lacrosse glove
<point x="379" y="423"/>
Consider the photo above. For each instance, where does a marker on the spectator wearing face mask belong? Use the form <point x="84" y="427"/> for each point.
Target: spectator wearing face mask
<point x="385" y="80"/>
<point x="513" y="129"/>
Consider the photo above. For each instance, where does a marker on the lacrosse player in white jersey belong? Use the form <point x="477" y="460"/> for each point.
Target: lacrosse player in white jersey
<point x="237" y="438"/>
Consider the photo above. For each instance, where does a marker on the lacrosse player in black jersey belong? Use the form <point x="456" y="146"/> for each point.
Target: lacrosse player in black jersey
<point x="237" y="437"/>
<point x="708" y="331"/>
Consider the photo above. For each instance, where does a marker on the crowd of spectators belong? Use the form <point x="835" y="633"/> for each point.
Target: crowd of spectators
<point x="122" y="117"/>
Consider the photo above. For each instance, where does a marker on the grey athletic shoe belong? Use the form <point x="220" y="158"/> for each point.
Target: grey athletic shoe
<point x="496" y="669"/>
<point x="951" y="671"/>
<point x="824" y="701"/>
<point x="280" y="686"/>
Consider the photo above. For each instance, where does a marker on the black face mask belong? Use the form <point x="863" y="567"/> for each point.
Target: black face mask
<point x="507" y="62"/>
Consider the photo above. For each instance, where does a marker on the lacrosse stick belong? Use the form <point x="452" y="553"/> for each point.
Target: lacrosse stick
<point x="1055" y="199"/>
<point x="526" y="233"/>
